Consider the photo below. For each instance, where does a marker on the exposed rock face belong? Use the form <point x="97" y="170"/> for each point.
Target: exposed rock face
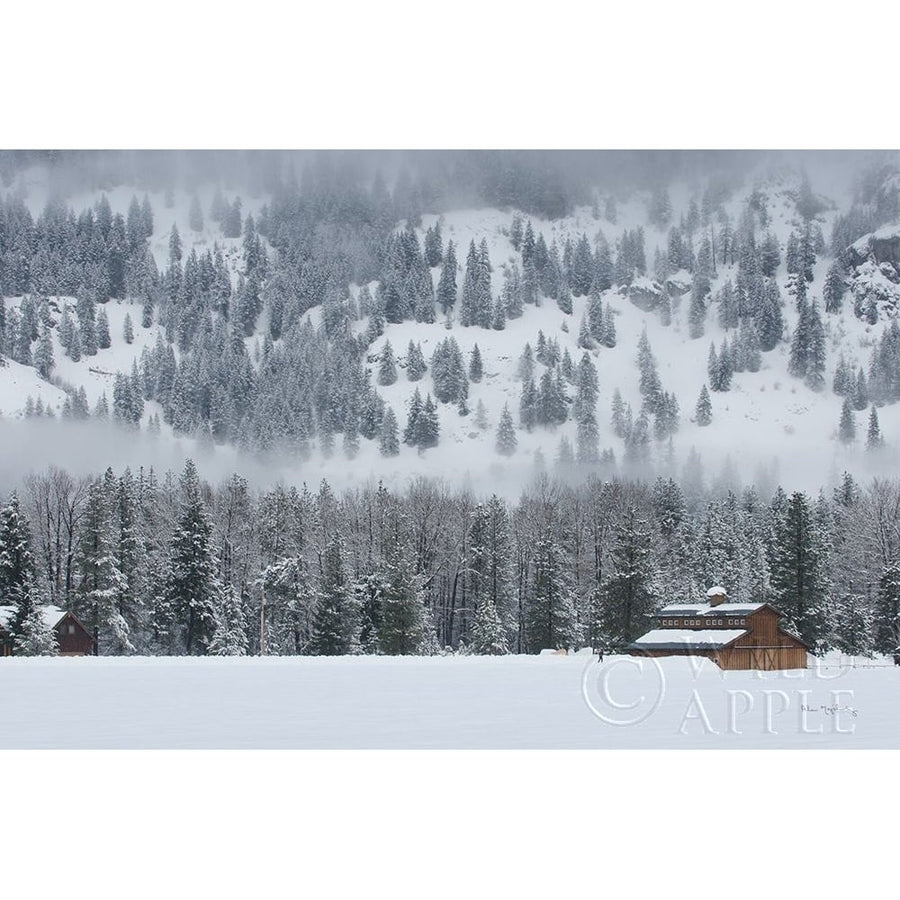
<point x="883" y="246"/>
<point x="875" y="274"/>
<point x="679" y="283"/>
<point x="645" y="294"/>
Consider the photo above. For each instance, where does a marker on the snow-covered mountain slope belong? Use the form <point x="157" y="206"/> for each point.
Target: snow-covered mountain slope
<point x="769" y="426"/>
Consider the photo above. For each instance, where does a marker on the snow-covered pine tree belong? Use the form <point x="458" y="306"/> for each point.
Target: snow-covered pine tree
<point x="33" y="636"/>
<point x="415" y="362"/>
<point x="17" y="569"/>
<point x="402" y="630"/>
<point x="834" y="288"/>
<point x="697" y="310"/>
<point x="629" y="594"/>
<point x="43" y="355"/>
<point x="230" y="635"/>
<point x="847" y="425"/>
<point x="796" y="565"/>
<point x="387" y="369"/>
<point x="193" y="590"/>
<point x="498" y="320"/>
<point x="434" y="248"/>
<point x="428" y="427"/>
<point x="506" y="433"/>
<point x="411" y="432"/>
<point x="859" y="395"/>
<point x="549" y="609"/>
<point x="102" y="586"/>
<point x="488" y="638"/>
<point x="335" y="629"/>
<point x="703" y="413"/>
<point x="446" y="291"/>
<point x="475" y="366"/>
<point x="389" y="441"/>
<point x="874" y="440"/>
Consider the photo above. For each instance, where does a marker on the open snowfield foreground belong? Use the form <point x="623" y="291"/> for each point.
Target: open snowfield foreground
<point x="444" y="702"/>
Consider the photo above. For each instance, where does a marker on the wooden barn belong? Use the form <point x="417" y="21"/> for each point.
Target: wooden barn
<point x="733" y="635"/>
<point x="71" y="636"/>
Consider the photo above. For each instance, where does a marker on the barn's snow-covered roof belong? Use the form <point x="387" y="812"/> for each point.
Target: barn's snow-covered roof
<point x="707" y="609"/>
<point x="687" y="639"/>
<point x="51" y="615"/>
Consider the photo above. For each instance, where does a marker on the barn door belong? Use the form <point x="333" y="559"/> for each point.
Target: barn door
<point x="763" y="658"/>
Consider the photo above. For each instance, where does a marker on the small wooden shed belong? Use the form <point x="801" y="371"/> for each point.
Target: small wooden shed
<point x="71" y="635"/>
<point x="733" y="635"/>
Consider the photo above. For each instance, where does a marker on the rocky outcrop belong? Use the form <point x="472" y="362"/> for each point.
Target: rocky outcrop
<point x="644" y="293"/>
<point x="874" y="276"/>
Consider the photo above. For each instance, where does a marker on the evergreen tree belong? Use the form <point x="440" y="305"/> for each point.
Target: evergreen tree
<point x="446" y="291"/>
<point x="847" y="426"/>
<point x="34" y="636"/>
<point x="550" y="620"/>
<point x="587" y="437"/>
<point x="506" y="434"/>
<point x="230" y="635"/>
<point x="428" y="428"/>
<point x="874" y="441"/>
<point x="434" y="251"/>
<point x="103" y="338"/>
<point x="335" y="627"/>
<point x="887" y="620"/>
<point x="475" y="368"/>
<point x="411" y="432"/>
<point x="102" y="585"/>
<point x="704" y="408"/>
<point x="402" y="629"/>
<point x="498" y="322"/>
<point x="629" y="594"/>
<point x="833" y="289"/>
<point x="387" y="370"/>
<point x="770" y="321"/>
<point x="389" y="441"/>
<point x="488" y="637"/>
<point x="415" y="362"/>
<point x="697" y="311"/>
<point x="797" y="573"/>
<point x="17" y="571"/>
<point x="860" y="392"/>
<point x="192" y="591"/>
<point x="43" y="355"/>
<point x="128" y="329"/>
<point x="528" y="405"/>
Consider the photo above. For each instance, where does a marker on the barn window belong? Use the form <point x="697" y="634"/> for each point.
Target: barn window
<point x="71" y="629"/>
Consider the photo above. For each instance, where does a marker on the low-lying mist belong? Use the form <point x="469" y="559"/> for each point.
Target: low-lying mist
<point x="88" y="448"/>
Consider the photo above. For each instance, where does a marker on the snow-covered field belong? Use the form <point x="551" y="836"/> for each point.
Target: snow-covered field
<point x="444" y="702"/>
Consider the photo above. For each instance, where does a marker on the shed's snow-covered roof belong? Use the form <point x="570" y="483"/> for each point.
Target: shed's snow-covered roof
<point x="707" y="609"/>
<point x="687" y="639"/>
<point x="51" y="615"/>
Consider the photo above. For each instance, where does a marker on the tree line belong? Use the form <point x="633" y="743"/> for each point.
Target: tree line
<point x="174" y="565"/>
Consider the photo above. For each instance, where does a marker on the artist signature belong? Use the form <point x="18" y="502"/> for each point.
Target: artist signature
<point x="830" y="710"/>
